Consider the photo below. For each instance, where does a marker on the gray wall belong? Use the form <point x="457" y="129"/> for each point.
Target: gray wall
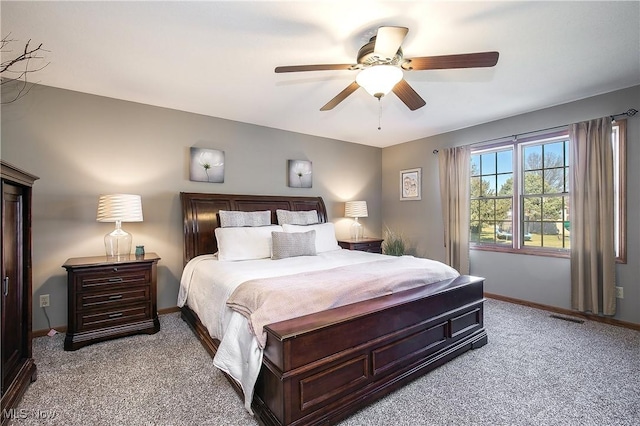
<point x="533" y="278"/>
<point x="82" y="145"/>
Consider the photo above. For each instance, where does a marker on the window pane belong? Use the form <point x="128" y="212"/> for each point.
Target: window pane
<point x="488" y="185"/>
<point x="475" y="210"/>
<point x="531" y="234"/>
<point x="619" y="141"/>
<point x="504" y="222"/>
<point x="532" y="208"/>
<point x="504" y="233"/>
<point x="553" y="154"/>
<point x="533" y="157"/>
<point x="554" y="180"/>
<point x="487" y="232"/>
<point x="475" y="187"/>
<point x="488" y="163"/>
<point x="474" y="231"/>
<point x="475" y="165"/>
<point x="487" y="210"/>
<point x="555" y="235"/>
<point x="503" y="209"/>
<point x="505" y="184"/>
<point x="505" y="161"/>
<point x="552" y="208"/>
<point x="533" y="182"/>
<point x="565" y="234"/>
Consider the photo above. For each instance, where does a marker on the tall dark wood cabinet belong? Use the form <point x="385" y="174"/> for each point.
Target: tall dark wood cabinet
<point x="18" y="368"/>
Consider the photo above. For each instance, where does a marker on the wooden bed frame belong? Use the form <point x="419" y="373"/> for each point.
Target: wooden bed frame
<point x="323" y="367"/>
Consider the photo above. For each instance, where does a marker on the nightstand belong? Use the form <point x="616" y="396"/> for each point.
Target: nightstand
<point x="110" y="298"/>
<point x="372" y="245"/>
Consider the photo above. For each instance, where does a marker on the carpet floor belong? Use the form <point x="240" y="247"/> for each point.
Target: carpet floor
<point x="535" y="370"/>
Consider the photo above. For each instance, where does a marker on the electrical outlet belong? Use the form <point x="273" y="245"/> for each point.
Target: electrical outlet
<point x="620" y="292"/>
<point x="44" y="300"/>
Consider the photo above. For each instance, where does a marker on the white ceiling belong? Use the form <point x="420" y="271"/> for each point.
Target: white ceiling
<point x="218" y="58"/>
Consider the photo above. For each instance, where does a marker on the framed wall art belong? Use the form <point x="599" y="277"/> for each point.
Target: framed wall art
<point x="299" y="174"/>
<point x="206" y="165"/>
<point x="411" y="184"/>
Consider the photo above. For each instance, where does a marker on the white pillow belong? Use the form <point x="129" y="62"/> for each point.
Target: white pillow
<point x="245" y="243"/>
<point x="325" y="235"/>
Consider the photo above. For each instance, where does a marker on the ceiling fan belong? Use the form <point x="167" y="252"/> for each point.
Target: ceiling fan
<point x="381" y="64"/>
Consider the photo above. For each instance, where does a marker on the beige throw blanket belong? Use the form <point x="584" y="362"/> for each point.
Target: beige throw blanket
<point x="269" y="300"/>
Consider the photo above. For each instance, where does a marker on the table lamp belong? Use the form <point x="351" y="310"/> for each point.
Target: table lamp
<point x="119" y="208"/>
<point x="356" y="209"/>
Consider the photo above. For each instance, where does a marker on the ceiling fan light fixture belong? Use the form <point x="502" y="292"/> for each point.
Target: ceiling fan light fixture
<point x="382" y="63"/>
<point x="379" y="80"/>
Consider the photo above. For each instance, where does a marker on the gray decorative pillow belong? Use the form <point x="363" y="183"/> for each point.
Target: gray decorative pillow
<point x="286" y="244"/>
<point x="230" y="219"/>
<point x="308" y="217"/>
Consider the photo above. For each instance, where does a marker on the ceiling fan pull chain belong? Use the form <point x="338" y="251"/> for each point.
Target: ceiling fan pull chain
<point x="379" y="113"/>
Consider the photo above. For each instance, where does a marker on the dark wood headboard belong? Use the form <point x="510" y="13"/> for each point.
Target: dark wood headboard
<point x="200" y="215"/>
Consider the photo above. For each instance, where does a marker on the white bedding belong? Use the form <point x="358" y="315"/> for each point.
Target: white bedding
<point x="207" y="283"/>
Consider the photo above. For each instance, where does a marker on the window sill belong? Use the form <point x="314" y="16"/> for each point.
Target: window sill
<point x="533" y="252"/>
<point x="527" y="251"/>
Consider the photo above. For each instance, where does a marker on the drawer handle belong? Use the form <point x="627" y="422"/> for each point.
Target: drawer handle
<point x="115" y="280"/>
<point x="119" y="314"/>
<point x="116" y="296"/>
<point x="6" y="285"/>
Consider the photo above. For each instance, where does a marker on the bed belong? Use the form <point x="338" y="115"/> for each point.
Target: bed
<point x="322" y="367"/>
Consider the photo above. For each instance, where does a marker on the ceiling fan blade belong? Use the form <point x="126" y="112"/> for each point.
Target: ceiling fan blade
<point x="340" y="96"/>
<point x="324" y="67"/>
<point x="388" y="41"/>
<point x="409" y="96"/>
<point x="467" y="60"/>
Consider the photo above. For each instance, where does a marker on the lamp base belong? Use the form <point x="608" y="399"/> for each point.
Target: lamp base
<point x="118" y="242"/>
<point x="357" y="230"/>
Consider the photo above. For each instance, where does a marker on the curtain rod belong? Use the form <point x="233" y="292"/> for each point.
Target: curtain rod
<point x="629" y="113"/>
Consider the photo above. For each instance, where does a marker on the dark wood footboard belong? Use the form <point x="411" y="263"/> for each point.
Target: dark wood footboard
<point x="322" y="367"/>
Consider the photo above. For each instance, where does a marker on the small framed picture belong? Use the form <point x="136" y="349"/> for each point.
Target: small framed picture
<point x="300" y="174"/>
<point x="206" y="165"/>
<point x="411" y="184"/>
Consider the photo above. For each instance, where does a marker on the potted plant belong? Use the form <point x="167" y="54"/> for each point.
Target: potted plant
<point x="393" y="244"/>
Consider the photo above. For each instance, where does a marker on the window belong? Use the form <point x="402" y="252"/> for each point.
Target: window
<point x="619" y="140"/>
<point x="520" y="195"/>
<point x="492" y="197"/>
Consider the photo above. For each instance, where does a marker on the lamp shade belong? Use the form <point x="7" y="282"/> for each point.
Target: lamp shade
<point x="356" y="209"/>
<point x="379" y="80"/>
<point x="119" y="207"/>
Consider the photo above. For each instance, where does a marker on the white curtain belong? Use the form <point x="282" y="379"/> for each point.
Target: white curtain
<point x="591" y="216"/>
<point x="455" y="165"/>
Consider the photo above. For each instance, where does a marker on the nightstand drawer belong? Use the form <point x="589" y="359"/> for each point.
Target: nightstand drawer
<point x="103" y="278"/>
<point x="112" y="317"/>
<point x="116" y="297"/>
<point x="370" y="247"/>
